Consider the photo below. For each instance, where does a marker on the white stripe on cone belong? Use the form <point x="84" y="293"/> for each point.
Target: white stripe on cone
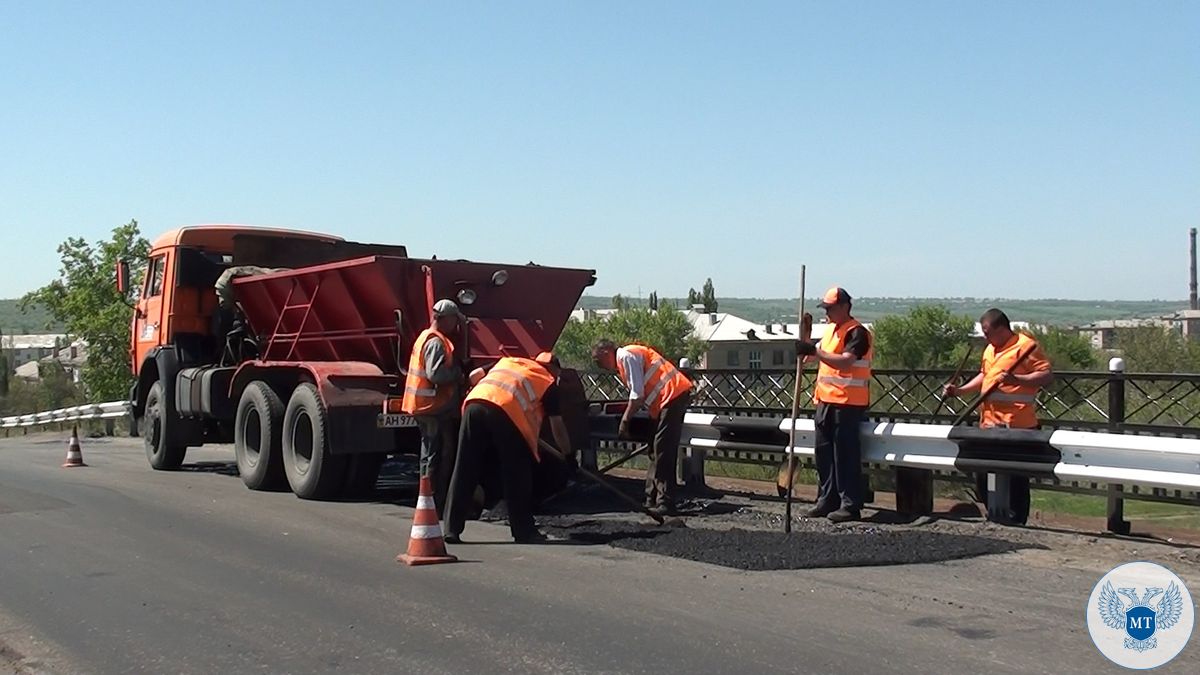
<point x="425" y="502"/>
<point x="426" y="531"/>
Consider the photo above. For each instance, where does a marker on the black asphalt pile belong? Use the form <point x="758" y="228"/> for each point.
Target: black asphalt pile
<point x="766" y="550"/>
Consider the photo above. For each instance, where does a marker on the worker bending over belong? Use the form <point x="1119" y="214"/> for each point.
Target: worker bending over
<point x="656" y="385"/>
<point x="432" y="394"/>
<point x="501" y="424"/>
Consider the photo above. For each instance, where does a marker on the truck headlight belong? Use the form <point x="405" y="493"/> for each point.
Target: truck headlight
<point x="500" y="277"/>
<point x="466" y="296"/>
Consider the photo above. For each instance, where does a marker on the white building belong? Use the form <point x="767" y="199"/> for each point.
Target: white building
<point x="22" y="349"/>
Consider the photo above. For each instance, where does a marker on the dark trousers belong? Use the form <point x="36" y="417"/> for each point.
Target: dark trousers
<point x="439" y="439"/>
<point x="664" y="452"/>
<point x="489" y="443"/>
<point x="839" y="456"/>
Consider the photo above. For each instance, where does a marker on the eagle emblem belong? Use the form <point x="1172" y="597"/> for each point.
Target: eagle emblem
<point x="1138" y="618"/>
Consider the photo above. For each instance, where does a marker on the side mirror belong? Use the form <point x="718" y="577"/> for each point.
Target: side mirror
<point x="123" y="277"/>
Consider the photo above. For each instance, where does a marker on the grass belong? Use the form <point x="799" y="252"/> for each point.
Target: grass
<point x="1167" y="515"/>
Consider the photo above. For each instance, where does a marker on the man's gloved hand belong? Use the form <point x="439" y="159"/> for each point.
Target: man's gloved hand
<point x="805" y="348"/>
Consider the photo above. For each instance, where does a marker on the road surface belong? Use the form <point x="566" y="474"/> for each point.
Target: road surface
<point x="118" y="568"/>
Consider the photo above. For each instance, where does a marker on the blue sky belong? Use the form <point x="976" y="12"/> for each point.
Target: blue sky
<point x="903" y="149"/>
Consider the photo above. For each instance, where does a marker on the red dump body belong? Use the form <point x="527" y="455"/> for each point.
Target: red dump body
<point x="346" y="311"/>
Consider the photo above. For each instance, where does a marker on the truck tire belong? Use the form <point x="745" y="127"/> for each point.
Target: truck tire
<point x="158" y="433"/>
<point x="312" y="470"/>
<point x="258" y="437"/>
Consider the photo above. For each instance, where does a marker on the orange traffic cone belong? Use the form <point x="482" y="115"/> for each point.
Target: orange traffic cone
<point x="74" y="452"/>
<point x="426" y="545"/>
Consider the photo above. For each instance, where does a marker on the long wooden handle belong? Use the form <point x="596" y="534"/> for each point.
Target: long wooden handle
<point x="957" y="373"/>
<point x="605" y="484"/>
<point x="996" y="385"/>
<point x="787" y="521"/>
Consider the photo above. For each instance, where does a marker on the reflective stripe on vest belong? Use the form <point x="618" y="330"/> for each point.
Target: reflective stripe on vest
<point x="516" y="386"/>
<point x="848" y="385"/>
<point x="661" y="380"/>
<point x="1012" y="398"/>
<point x="420" y="395"/>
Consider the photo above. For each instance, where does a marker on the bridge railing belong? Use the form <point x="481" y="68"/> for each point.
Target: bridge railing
<point x="1157" y="403"/>
<point x="108" y="412"/>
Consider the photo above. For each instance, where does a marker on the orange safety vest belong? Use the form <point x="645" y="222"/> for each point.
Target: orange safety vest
<point x="849" y="385"/>
<point x="516" y="385"/>
<point x="1012" y="405"/>
<point x="661" y="380"/>
<point x="420" y="394"/>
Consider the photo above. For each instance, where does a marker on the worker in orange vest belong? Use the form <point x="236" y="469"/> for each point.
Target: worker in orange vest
<point x="501" y="425"/>
<point x="655" y="384"/>
<point x="1013" y="405"/>
<point x="432" y="395"/>
<point x="842" y="394"/>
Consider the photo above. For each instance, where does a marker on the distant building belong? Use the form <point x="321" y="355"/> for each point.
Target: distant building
<point x="1186" y="322"/>
<point x="22" y="349"/>
<point x="71" y="358"/>
<point x="1104" y="334"/>
<point x="737" y="343"/>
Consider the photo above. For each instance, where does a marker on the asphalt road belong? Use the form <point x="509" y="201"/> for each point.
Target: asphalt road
<point x="117" y="568"/>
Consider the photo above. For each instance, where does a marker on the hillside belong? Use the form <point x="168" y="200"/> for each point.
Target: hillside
<point x="14" y="322"/>
<point x="1047" y="311"/>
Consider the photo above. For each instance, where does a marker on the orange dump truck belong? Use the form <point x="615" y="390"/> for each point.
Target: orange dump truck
<point x="299" y="358"/>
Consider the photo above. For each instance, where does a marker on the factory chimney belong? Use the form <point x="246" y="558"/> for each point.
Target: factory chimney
<point x="1192" y="301"/>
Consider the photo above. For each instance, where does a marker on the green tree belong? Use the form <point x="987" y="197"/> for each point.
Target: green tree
<point x="1066" y="349"/>
<point x="653" y="300"/>
<point x="693" y="298"/>
<point x="619" y="302"/>
<point x="929" y="336"/>
<point x="668" y="331"/>
<point x="85" y="299"/>
<point x="708" y="296"/>
<point x="1158" y="350"/>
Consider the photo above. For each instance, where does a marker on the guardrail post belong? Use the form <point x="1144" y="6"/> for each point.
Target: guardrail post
<point x="1116" y="425"/>
<point x="587" y="458"/>
<point x="693" y="468"/>
<point x="914" y="491"/>
<point x="109" y="427"/>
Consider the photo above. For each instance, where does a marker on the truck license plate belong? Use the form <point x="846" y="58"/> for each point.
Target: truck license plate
<point x="391" y="421"/>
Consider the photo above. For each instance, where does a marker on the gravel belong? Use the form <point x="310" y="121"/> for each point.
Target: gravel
<point x="756" y="549"/>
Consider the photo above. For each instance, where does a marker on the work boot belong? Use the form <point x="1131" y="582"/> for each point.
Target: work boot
<point x="664" y="509"/>
<point x="843" y="515"/>
<point x="817" y="511"/>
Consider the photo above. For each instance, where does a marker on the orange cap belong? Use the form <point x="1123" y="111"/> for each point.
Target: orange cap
<point x="836" y="295"/>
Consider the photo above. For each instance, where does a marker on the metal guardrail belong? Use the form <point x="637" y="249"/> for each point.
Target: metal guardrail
<point x="111" y="410"/>
<point x="1165" y="404"/>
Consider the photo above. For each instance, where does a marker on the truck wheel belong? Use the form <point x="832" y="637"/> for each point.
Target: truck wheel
<point x="258" y="437"/>
<point x="312" y="470"/>
<point x="164" y="452"/>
